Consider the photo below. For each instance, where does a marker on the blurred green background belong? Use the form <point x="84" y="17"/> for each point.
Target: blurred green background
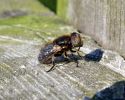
<point x="59" y="7"/>
<point x="51" y="4"/>
<point x="25" y="19"/>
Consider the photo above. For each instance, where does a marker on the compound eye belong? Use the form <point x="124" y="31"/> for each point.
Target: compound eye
<point x="76" y="40"/>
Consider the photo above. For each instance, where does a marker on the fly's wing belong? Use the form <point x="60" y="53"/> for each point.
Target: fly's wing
<point x="46" y="54"/>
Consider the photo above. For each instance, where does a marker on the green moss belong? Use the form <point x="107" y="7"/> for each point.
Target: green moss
<point x="28" y="27"/>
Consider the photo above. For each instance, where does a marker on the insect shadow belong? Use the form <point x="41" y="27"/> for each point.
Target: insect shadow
<point x="95" y="55"/>
<point x="71" y="58"/>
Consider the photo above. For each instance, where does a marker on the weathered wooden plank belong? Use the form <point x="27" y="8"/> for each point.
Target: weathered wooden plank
<point x="22" y="77"/>
<point x="102" y="19"/>
<point x="26" y="77"/>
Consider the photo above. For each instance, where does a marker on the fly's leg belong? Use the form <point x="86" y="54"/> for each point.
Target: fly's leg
<point x="78" y="48"/>
<point x="53" y="62"/>
<point x="76" y="51"/>
<point x="77" y="63"/>
<point x="67" y="58"/>
<point x="65" y="54"/>
<point x="72" y="50"/>
<point x="76" y="60"/>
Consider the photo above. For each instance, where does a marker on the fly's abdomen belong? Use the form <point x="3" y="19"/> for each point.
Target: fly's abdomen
<point x="46" y="54"/>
